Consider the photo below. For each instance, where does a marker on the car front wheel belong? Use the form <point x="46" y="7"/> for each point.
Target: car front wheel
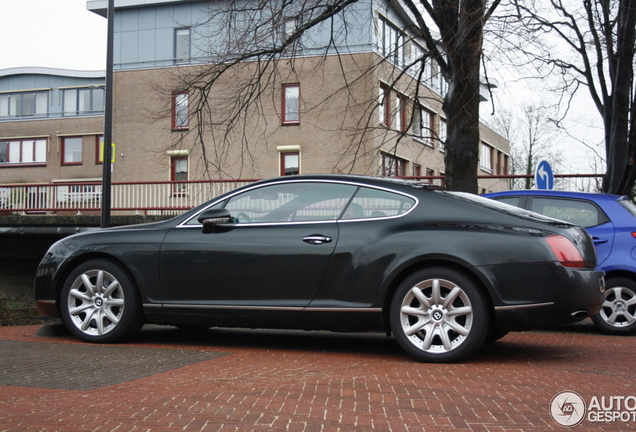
<point x="100" y="302"/>
<point x="618" y="312"/>
<point x="439" y="315"/>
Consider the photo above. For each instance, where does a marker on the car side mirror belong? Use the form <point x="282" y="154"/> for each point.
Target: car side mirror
<point x="213" y="217"/>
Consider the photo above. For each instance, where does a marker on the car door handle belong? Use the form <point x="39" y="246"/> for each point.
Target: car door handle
<point x="316" y="239"/>
<point x="598" y="240"/>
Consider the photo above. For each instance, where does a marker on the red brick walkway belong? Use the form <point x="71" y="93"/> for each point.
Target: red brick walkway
<point x="292" y="381"/>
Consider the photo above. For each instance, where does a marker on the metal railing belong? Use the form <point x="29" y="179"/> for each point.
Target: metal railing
<point x="177" y="197"/>
<point x="142" y="197"/>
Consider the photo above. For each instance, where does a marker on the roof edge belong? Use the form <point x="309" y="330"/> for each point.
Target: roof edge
<point x="100" y="7"/>
<point x="37" y="70"/>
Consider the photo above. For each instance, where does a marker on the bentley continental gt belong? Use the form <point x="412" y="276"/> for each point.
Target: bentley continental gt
<point x="443" y="272"/>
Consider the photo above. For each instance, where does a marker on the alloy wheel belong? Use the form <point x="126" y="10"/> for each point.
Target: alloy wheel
<point x="95" y="302"/>
<point x="436" y="316"/>
<point x="619" y="308"/>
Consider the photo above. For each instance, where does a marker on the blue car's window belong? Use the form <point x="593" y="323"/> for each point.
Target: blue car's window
<point x="514" y="201"/>
<point x="583" y="213"/>
<point x="291" y="202"/>
<point x="372" y="203"/>
<point x="628" y="205"/>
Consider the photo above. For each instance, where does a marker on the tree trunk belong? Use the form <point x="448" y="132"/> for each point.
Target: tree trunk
<point x="621" y="170"/>
<point x="461" y="104"/>
<point x="461" y="155"/>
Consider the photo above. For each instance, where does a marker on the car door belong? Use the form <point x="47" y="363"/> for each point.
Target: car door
<point x="580" y="212"/>
<point x="367" y="244"/>
<point x="272" y="255"/>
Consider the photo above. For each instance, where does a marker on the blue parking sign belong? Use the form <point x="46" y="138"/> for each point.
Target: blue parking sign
<point x="543" y="176"/>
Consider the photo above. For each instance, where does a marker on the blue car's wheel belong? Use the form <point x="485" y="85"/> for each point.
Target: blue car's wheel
<point x="618" y="312"/>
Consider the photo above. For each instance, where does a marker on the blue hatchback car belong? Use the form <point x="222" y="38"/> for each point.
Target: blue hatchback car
<point x="611" y="221"/>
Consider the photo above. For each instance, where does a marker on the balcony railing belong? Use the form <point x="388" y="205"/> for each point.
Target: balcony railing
<point x="177" y="197"/>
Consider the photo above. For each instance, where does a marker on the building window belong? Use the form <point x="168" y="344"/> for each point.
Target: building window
<point x="99" y="149"/>
<point x="182" y="45"/>
<point x="83" y="101"/>
<point x="385" y="105"/>
<point x="501" y="163"/>
<point x="391" y="42"/>
<point x="24" y="151"/>
<point x="423" y="125"/>
<point x="417" y="170"/>
<point x="443" y="133"/>
<point x="26" y="104"/>
<point x="291" y="103"/>
<point x="179" y="173"/>
<point x="180" y="114"/>
<point x="486" y="157"/>
<point x="72" y="151"/>
<point x="289" y="27"/>
<point x="442" y="84"/>
<point x="400" y="113"/>
<point x="393" y="166"/>
<point x="289" y="163"/>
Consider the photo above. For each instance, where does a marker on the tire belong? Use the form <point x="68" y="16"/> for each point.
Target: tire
<point x="439" y="315"/>
<point x="618" y="312"/>
<point x="494" y="335"/>
<point x="100" y="302"/>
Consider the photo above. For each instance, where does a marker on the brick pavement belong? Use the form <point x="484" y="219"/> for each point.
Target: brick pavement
<point x="240" y="380"/>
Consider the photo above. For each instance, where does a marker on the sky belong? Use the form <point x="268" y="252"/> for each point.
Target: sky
<point x="51" y="33"/>
<point x="64" y="34"/>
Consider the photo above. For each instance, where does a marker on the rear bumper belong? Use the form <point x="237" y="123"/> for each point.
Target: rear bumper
<point x="546" y="295"/>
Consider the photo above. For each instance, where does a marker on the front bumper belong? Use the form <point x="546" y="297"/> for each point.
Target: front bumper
<point x="48" y="307"/>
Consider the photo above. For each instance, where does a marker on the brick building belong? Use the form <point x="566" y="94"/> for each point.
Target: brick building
<point x="297" y="129"/>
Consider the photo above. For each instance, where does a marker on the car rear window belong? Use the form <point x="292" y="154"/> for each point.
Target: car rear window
<point x="628" y="205"/>
<point x="513" y="200"/>
<point x="374" y="203"/>
<point x="579" y="212"/>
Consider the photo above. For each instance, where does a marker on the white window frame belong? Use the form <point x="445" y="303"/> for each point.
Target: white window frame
<point x="290" y="109"/>
<point x="485" y="160"/>
<point x="182" y="45"/>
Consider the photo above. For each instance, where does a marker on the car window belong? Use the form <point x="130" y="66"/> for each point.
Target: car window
<point x="583" y="213"/>
<point x="293" y="201"/>
<point x="514" y="201"/>
<point x="371" y="203"/>
<point x="628" y="205"/>
<point x="194" y="221"/>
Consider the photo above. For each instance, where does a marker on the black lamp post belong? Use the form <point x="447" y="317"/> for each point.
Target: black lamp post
<point x="108" y="120"/>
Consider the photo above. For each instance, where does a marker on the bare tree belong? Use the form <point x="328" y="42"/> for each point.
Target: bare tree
<point x="246" y="59"/>
<point x="532" y="134"/>
<point x="595" y="50"/>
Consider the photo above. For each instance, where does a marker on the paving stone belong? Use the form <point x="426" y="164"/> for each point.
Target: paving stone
<point x="87" y="366"/>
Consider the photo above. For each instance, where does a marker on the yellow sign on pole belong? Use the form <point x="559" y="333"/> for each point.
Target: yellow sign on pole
<point x="113" y="147"/>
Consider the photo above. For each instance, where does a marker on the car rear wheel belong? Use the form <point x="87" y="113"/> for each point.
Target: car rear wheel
<point x="100" y="302"/>
<point x="439" y="315"/>
<point x="618" y="312"/>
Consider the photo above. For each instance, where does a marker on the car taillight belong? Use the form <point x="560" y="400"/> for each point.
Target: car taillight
<point x="565" y="251"/>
